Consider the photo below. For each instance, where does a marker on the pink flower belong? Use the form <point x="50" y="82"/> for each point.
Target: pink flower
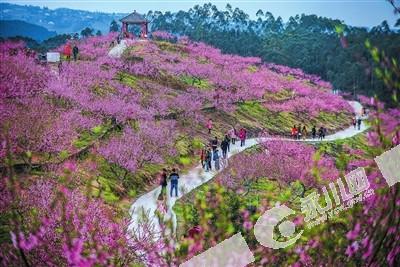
<point x="352" y="249"/>
<point x="352" y="235"/>
<point x="247" y="225"/>
<point x="70" y="166"/>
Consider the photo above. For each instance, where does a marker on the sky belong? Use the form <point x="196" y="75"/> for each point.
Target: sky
<point x="366" y="13"/>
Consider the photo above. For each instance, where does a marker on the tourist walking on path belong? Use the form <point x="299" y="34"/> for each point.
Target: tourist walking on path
<point x="242" y="136"/>
<point x="228" y="142"/>
<point x="174" y="177"/>
<point x="208" y="160"/>
<point x="320" y="133"/>
<point x="209" y="125"/>
<point x="294" y="132"/>
<point x="214" y="143"/>
<point x="203" y="153"/>
<point x="304" y="132"/>
<point x="224" y="148"/>
<point x="232" y="135"/>
<point x="359" y="123"/>
<point x="299" y="132"/>
<point x="314" y="132"/>
<point x="355" y="122"/>
<point x="163" y="182"/>
<point x="216" y="159"/>
<point x="75" y="52"/>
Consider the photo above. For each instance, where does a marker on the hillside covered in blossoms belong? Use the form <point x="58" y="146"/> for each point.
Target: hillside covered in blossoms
<point x="83" y="140"/>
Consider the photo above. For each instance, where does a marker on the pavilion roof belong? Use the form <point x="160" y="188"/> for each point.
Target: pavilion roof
<point x="134" y="18"/>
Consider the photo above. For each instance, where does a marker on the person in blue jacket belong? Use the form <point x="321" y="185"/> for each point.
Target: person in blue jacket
<point x="174" y="177"/>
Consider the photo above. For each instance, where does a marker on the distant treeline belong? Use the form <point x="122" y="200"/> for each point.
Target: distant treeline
<point x="308" y="42"/>
<point x="52" y="42"/>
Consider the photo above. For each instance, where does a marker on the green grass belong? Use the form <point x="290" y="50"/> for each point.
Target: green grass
<point x="107" y="192"/>
<point x="282" y="95"/>
<point x="64" y="154"/>
<point x="252" y="69"/>
<point x="337" y="149"/>
<point x="128" y="79"/>
<point x="184" y="160"/>
<point x="87" y="137"/>
<point x="103" y="91"/>
<point x="331" y="121"/>
<point x="170" y="47"/>
<point x="253" y="115"/>
<point x="202" y="84"/>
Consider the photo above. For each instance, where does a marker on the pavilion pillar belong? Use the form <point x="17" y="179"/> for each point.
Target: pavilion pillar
<point x="143" y="32"/>
<point x="124" y="28"/>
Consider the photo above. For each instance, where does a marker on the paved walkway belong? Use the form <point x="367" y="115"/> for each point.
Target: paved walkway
<point x="147" y="203"/>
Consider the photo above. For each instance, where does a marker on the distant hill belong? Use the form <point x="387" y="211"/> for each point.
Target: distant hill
<point x="61" y="20"/>
<point x="12" y="28"/>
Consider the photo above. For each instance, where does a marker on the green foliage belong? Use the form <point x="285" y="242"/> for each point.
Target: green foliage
<point x="5" y="227"/>
<point x="127" y="79"/>
<point x="339" y="28"/>
<point x="252" y="69"/>
<point x="254" y="116"/>
<point x="167" y="46"/>
<point x="307" y="42"/>
<point x="332" y="120"/>
<point x="87" y="137"/>
<point x="184" y="160"/>
<point x="87" y="32"/>
<point x="197" y="143"/>
<point x="116" y="182"/>
<point x="338" y="150"/>
<point x="183" y="145"/>
<point x="202" y="84"/>
<point x="107" y="192"/>
<point x="114" y="26"/>
<point x="64" y="154"/>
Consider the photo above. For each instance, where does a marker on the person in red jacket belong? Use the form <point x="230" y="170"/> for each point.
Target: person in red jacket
<point x="242" y="136"/>
<point x="203" y="153"/>
<point x="67" y="51"/>
<point x="294" y="132"/>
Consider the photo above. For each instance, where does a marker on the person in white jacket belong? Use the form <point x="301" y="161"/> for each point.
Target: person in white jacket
<point x="232" y="135"/>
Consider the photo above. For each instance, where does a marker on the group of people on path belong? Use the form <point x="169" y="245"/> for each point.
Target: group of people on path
<point x="173" y="177"/>
<point x="69" y="51"/>
<point x="210" y="152"/>
<point x="232" y="134"/>
<point x="298" y="132"/>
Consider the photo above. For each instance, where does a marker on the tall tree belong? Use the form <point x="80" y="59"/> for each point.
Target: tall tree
<point x="87" y="32"/>
<point x="114" y="27"/>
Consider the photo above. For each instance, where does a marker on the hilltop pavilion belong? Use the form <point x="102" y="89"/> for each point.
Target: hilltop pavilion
<point x="134" y="19"/>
